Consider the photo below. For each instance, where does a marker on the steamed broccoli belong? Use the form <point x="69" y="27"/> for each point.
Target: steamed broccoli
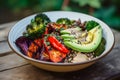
<point x="37" y="26"/>
<point x="42" y="18"/>
<point x="91" y="24"/>
<point x="64" y="21"/>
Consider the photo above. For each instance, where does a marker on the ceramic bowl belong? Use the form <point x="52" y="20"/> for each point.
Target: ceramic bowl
<point x="20" y="27"/>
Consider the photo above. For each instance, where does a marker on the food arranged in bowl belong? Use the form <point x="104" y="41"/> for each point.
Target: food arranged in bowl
<point x="62" y="41"/>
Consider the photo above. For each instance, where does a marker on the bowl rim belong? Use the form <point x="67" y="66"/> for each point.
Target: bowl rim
<point x="59" y="64"/>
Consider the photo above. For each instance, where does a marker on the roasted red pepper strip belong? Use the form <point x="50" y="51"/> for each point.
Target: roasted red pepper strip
<point x="56" y="44"/>
<point x="53" y="54"/>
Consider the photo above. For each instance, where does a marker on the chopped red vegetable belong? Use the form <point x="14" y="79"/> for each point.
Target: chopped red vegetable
<point x="34" y="47"/>
<point x="56" y="44"/>
<point x="56" y="56"/>
<point x="58" y="26"/>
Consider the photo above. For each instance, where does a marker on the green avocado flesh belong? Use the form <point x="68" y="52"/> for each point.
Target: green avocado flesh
<point x="100" y="48"/>
<point x="68" y="31"/>
<point x="89" y="47"/>
<point x="64" y="36"/>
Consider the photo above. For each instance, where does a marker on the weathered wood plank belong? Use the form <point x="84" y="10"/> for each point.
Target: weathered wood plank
<point x="11" y="61"/>
<point x="4" y="33"/>
<point x="27" y="72"/>
<point x="4" y="29"/>
<point x="4" y="48"/>
<point x="103" y="69"/>
<point x="10" y="24"/>
<point x="117" y="36"/>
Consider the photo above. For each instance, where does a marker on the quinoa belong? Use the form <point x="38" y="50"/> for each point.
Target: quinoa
<point x="73" y="54"/>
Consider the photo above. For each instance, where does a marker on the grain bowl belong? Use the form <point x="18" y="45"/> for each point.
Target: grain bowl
<point x="20" y="27"/>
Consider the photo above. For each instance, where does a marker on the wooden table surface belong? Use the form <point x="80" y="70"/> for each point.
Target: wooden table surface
<point x="13" y="67"/>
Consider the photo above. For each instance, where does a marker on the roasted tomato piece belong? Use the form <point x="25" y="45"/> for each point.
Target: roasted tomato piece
<point x="33" y="48"/>
<point x="56" y="55"/>
<point x="45" y="56"/>
<point x="58" y="26"/>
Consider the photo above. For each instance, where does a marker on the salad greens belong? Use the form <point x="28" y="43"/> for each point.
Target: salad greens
<point x="91" y="24"/>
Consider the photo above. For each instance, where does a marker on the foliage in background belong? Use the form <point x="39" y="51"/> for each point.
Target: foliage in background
<point x="107" y="11"/>
<point x="34" y="5"/>
<point x="92" y="3"/>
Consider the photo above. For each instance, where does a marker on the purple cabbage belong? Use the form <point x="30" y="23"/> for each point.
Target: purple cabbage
<point x="23" y="43"/>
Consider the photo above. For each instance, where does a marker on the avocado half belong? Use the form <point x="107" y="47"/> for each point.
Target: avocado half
<point x="90" y="47"/>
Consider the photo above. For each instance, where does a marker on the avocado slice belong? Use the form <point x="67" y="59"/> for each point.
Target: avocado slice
<point x="64" y="36"/>
<point x="71" y="40"/>
<point x="68" y="31"/>
<point x="100" y="48"/>
<point x="89" y="47"/>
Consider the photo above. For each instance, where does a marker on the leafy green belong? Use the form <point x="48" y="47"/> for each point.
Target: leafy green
<point x="91" y="24"/>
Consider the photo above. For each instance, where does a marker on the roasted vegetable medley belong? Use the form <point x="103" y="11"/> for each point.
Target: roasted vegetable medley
<point x="63" y="41"/>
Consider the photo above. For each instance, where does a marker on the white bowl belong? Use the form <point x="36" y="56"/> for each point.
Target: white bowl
<point x="20" y="27"/>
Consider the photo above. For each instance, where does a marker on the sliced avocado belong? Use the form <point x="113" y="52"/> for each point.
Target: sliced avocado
<point x="100" y="48"/>
<point x="90" y="47"/>
<point x="71" y="40"/>
<point x="68" y="31"/>
<point x="64" y="36"/>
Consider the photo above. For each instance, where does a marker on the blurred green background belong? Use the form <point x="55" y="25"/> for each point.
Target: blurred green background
<point x="106" y="10"/>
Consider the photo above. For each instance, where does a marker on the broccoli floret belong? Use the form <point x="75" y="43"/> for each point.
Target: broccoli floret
<point x="64" y="21"/>
<point x="42" y="18"/>
<point x="37" y="26"/>
<point x="91" y="24"/>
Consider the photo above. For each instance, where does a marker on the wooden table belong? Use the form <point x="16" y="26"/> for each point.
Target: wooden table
<point x="13" y="67"/>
